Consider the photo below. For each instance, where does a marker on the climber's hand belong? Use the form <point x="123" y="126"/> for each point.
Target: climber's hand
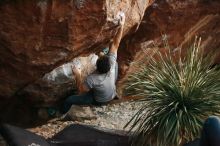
<point x="76" y="70"/>
<point x="121" y="16"/>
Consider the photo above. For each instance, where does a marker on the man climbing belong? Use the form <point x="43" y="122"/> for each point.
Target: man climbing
<point x="99" y="87"/>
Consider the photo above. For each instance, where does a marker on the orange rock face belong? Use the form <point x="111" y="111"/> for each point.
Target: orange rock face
<point x="178" y="22"/>
<point x="38" y="36"/>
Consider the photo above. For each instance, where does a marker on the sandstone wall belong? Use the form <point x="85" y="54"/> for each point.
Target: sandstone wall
<point x="37" y="36"/>
<point x="176" y="21"/>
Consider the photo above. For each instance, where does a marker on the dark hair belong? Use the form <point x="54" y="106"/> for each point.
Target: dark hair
<point x="103" y="64"/>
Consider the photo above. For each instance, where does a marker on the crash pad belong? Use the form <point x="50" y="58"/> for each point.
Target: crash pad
<point x="73" y="135"/>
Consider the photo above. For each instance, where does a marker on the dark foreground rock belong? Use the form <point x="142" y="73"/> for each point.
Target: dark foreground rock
<point x="74" y="135"/>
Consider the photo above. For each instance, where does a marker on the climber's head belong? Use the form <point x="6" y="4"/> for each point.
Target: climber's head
<point x="103" y="64"/>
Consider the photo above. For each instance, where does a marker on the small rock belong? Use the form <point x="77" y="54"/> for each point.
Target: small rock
<point x="42" y="113"/>
<point x="80" y="113"/>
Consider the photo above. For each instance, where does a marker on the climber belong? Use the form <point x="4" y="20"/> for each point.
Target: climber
<point x="211" y="132"/>
<point x="99" y="87"/>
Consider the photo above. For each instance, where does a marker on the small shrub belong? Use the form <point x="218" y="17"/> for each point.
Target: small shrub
<point x="178" y="94"/>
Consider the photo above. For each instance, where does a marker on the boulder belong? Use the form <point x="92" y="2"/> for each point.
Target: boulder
<point x="38" y="36"/>
<point x="57" y="84"/>
<point x="178" y="22"/>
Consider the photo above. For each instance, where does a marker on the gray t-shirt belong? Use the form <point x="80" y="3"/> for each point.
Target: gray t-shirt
<point x="103" y="85"/>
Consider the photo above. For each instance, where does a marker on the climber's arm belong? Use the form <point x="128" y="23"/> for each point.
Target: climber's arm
<point x="117" y="39"/>
<point x="78" y="78"/>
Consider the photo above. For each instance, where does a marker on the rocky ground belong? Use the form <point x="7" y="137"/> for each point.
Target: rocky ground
<point x="112" y="116"/>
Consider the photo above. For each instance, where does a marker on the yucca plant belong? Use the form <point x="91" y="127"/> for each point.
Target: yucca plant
<point x="178" y="95"/>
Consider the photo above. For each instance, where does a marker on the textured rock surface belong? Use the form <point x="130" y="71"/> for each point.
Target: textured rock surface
<point x="178" y="22"/>
<point x="112" y="116"/>
<point x="80" y="113"/>
<point x="37" y="36"/>
<point x="57" y="84"/>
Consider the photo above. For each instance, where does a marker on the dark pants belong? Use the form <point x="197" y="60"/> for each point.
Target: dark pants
<point x="211" y="132"/>
<point x="84" y="99"/>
